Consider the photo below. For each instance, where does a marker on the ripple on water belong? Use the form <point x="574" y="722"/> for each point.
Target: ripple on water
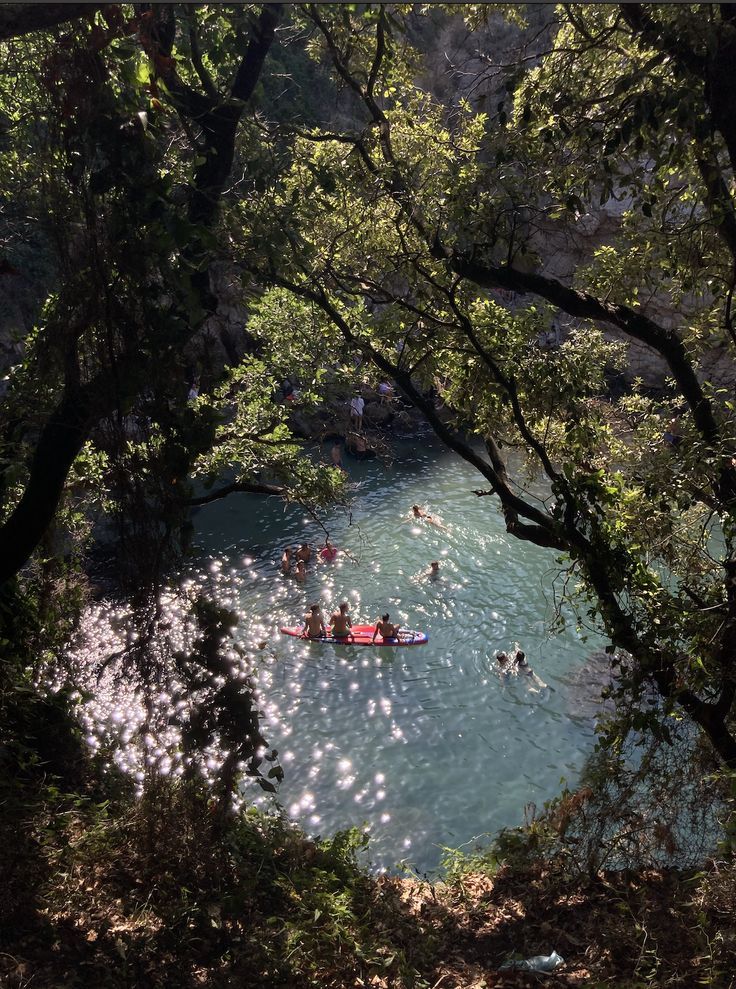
<point x="459" y="749"/>
<point x="428" y="745"/>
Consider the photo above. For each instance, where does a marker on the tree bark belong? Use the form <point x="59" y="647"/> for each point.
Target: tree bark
<point x="60" y="442"/>
<point x="68" y="427"/>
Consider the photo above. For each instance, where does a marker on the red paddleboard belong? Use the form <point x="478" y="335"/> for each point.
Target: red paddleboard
<point x="362" y="635"/>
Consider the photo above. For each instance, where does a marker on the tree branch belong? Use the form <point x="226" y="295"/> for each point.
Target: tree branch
<point x="17" y="19"/>
<point x="239" y="487"/>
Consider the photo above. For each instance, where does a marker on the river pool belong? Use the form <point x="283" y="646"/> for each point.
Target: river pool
<point x="428" y="745"/>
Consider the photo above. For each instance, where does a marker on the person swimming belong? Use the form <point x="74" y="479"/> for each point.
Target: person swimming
<point x="328" y="551"/>
<point x="314" y="625"/>
<point x="419" y="513"/>
<point x="340" y="622"/>
<point x="300" y="573"/>
<point x="434" y="570"/>
<point x="505" y="665"/>
<point x="286" y="561"/>
<point x="304" y="552"/>
<point x="386" y="629"/>
<point x="536" y="684"/>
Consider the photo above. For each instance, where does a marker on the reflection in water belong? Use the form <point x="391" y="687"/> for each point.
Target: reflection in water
<point x="429" y="745"/>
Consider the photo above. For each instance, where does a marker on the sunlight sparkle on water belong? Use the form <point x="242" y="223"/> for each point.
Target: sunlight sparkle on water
<point x="348" y="712"/>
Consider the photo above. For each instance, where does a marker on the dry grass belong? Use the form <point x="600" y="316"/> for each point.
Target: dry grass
<point x="161" y="894"/>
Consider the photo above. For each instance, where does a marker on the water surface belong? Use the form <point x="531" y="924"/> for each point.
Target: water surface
<point x="429" y="745"/>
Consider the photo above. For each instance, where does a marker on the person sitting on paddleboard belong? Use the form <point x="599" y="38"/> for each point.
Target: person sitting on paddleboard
<point x="340" y="622"/>
<point x="386" y="628"/>
<point x="314" y="624"/>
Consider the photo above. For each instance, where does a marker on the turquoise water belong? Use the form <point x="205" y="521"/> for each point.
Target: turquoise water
<point x="429" y="746"/>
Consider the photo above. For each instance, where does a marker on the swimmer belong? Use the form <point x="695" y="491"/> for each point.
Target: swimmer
<point x="521" y="664"/>
<point x="536" y="685"/>
<point x="419" y="513"/>
<point x="286" y="561"/>
<point x="505" y="666"/>
<point x="328" y="551"/>
<point x="386" y="629"/>
<point x="304" y="552"/>
<point x="301" y="571"/>
<point x="314" y="625"/>
<point x="434" y="570"/>
<point x="340" y="622"/>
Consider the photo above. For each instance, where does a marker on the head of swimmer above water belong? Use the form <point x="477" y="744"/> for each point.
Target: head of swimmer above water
<point x="520" y="658"/>
<point x="502" y="657"/>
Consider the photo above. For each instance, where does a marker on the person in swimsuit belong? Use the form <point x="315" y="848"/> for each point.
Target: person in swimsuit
<point x="386" y="629"/>
<point x="434" y="570"/>
<point x="504" y="663"/>
<point x="536" y="685"/>
<point x="304" y="553"/>
<point x="301" y="571"/>
<point x="314" y="625"/>
<point x="336" y="454"/>
<point x="328" y="551"/>
<point x="286" y="561"/>
<point x="419" y="513"/>
<point x="340" y="622"/>
<point x="521" y="663"/>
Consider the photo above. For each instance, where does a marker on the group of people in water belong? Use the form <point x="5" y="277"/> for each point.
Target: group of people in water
<point x="517" y="664"/>
<point x="424" y="516"/>
<point x="294" y="561"/>
<point x="340" y="623"/>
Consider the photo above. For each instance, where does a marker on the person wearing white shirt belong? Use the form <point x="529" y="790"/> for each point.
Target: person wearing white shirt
<point x="356" y="411"/>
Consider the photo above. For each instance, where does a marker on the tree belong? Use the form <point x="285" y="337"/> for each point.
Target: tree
<point x="135" y="268"/>
<point x="401" y="228"/>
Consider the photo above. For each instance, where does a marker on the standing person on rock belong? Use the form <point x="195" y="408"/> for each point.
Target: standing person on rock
<point x="357" y="405"/>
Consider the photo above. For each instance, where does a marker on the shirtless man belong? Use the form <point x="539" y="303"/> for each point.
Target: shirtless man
<point x="304" y="553"/>
<point x="301" y="571"/>
<point x="336" y="454"/>
<point x="286" y="561"/>
<point x="340" y="622"/>
<point x="386" y="629"/>
<point x="314" y="625"/>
